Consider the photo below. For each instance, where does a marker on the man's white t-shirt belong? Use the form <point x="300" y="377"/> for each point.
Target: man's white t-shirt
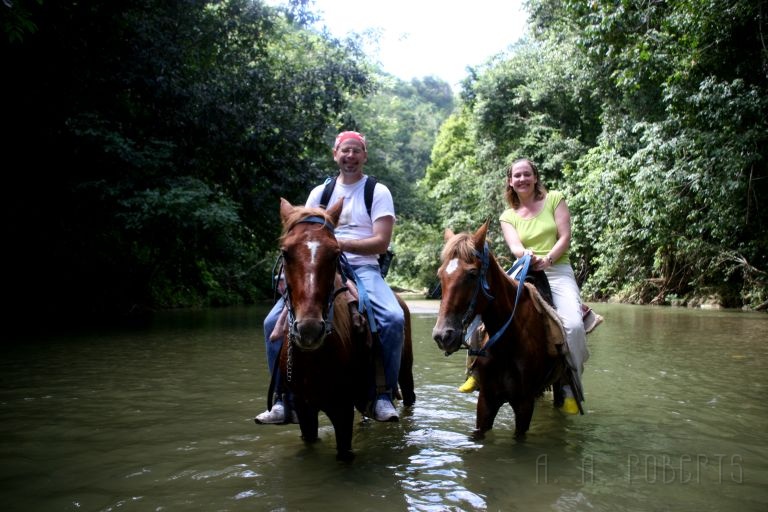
<point x="354" y="223"/>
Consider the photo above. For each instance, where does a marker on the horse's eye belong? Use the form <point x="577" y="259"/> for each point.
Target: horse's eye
<point x="472" y="274"/>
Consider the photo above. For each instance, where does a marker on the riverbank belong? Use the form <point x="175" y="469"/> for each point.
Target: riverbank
<point x="422" y="305"/>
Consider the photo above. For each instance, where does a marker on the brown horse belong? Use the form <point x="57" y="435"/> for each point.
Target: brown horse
<point x="517" y="365"/>
<point x="328" y="357"/>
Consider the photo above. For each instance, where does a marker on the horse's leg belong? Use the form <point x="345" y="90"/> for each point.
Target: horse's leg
<point x="343" y="417"/>
<point x="487" y="409"/>
<point x="523" y="413"/>
<point x="405" y="377"/>
<point x="308" y="421"/>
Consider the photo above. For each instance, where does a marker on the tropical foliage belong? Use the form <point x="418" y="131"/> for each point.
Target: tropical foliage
<point x="151" y="142"/>
<point x="146" y="146"/>
<point x="651" y="117"/>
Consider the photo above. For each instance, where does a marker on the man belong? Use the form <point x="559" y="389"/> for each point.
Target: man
<point x="362" y="237"/>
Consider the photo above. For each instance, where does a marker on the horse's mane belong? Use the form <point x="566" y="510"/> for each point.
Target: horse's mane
<point x="460" y="246"/>
<point x="300" y="213"/>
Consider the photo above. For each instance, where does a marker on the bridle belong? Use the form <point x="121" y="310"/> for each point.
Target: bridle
<point x="482" y="285"/>
<point x="467" y="324"/>
<point x="328" y="309"/>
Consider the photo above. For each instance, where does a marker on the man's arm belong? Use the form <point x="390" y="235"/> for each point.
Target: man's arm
<point x="376" y="244"/>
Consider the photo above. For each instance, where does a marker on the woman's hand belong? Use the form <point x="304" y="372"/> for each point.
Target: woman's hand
<point x="536" y="262"/>
<point x="540" y="263"/>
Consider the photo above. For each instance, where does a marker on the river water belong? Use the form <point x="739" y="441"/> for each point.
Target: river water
<point x="160" y="418"/>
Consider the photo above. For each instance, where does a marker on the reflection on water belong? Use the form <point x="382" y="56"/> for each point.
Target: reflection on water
<point x="161" y="419"/>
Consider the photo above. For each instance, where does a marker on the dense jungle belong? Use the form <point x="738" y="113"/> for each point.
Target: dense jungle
<point x="146" y="146"/>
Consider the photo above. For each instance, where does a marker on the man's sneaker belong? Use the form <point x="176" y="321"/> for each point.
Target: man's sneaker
<point x="273" y="417"/>
<point x="384" y="410"/>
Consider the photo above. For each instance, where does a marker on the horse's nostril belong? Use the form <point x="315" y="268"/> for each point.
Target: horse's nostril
<point x="441" y="337"/>
<point x="310" y="331"/>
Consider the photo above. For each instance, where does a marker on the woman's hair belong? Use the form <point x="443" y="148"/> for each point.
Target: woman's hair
<point x="539" y="190"/>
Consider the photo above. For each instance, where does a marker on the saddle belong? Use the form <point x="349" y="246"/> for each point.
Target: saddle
<point x="556" y="344"/>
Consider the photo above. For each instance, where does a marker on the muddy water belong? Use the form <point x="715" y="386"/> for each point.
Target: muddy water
<point x="160" y="418"/>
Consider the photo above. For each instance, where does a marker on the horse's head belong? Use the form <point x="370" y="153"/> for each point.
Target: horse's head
<point x="310" y="258"/>
<point x="462" y="265"/>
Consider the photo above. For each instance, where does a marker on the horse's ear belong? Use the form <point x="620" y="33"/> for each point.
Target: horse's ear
<point x="479" y="236"/>
<point x="335" y="211"/>
<point x="286" y="209"/>
<point x="448" y="234"/>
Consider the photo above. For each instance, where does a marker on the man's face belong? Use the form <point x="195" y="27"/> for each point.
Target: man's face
<point x="350" y="156"/>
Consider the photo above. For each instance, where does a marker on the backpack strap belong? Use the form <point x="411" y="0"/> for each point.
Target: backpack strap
<point x="330" y="183"/>
<point x="327" y="191"/>
<point x="368" y="192"/>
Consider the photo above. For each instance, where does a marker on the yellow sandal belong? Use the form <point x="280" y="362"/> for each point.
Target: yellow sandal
<point x="570" y="406"/>
<point x="469" y="385"/>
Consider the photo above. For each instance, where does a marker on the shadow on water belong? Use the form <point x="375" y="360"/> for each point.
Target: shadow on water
<point x="160" y="418"/>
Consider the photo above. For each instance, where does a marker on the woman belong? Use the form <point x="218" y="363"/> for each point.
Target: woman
<point x="539" y="223"/>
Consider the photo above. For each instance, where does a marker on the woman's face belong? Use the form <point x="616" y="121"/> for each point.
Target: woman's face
<point x="522" y="179"/>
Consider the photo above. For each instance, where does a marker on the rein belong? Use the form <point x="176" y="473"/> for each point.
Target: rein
<point x="525" y="263"/>
<point x="364" y="303"/>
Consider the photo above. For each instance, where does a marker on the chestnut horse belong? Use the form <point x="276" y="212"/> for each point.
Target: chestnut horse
<point x="327" y="360"/>
<point x="516" y="366"/>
